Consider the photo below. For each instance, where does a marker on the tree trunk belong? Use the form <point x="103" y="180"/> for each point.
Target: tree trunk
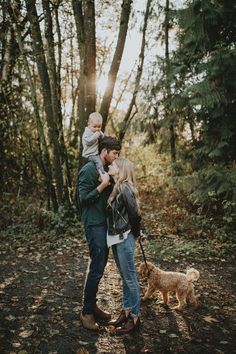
<point x="110" y="116"/>
<point x="45" y="165"/>
<point x="112" y="75"/>
<point x="6" y="65"/>
<point x="85" y="28"/>
<point x="73" y="91"/>
<point x="58" y="29"/>
<point x="55" y="92"/>
<point x="90" y="57"/>
<point x="81" y="122"/>
<point x="128" y="117"/>
<point x="47" y="96"/>
<point x="168" y="113"/>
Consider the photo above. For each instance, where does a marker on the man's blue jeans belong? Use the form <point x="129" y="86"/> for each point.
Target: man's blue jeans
<point x="97" y="241"/>
<point x="124" y="257"/>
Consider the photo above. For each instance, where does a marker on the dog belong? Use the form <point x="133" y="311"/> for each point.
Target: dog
<point x="165" y="282"/>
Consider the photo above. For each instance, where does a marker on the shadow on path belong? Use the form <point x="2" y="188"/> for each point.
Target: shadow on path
<point x="41" y="292"/>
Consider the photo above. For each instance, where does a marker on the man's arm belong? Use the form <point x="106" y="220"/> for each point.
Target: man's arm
<point x="88" y="191"/>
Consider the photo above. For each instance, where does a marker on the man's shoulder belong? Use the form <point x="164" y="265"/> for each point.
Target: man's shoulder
<point x="89" y="167"/>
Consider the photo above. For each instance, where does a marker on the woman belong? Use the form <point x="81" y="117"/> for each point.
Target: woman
<point x="123" y="230"/>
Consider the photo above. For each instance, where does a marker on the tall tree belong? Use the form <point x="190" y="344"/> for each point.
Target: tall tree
<point x="205" y="61"/>
<point x="90" y="57"/>
<point x="84" y="12"/>
<point x="115" y="65"/>
<point x="43" y="149"/>
<point x="128" y="117"/>
<point x="55" y="94"/>
<point x="80" y="31"/>
<point x="53" y="131"/>
<point x="168" y="112"/>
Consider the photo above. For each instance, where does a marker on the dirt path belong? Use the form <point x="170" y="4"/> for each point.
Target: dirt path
<point x="40" y="299"/>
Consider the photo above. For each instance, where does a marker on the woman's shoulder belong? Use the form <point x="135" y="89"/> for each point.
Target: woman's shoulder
<point x="127" y="188"/>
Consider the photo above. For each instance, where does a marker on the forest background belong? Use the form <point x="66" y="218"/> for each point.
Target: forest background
<point x="161" y="73"/>
<point x="163" y="76"/>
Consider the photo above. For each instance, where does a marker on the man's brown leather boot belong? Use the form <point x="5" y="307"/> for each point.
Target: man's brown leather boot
<point x="88" y="322"/>
<point x="102" y="315"/>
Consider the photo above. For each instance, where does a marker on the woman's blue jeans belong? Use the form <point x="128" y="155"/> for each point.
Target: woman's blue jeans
<point x="124" y="257"/>
<point x="97" y="241"/>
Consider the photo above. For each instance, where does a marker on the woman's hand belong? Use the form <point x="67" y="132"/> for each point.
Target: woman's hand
<point x="142" y="237"/>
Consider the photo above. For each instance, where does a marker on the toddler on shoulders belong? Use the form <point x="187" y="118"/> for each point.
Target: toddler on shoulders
<point x="90" y="139"/>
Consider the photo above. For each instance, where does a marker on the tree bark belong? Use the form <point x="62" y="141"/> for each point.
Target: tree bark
<point x="53" y="132"/>
<point x="115" y="65"/>
<point x="59" y="46"/>
<point x="90" y="57"/>
<point x="168" y="90"/>
<point x="81" y="121"/>
<point x="6" y="65"/>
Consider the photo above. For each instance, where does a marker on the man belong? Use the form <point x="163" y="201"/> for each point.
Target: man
<point x="93" y="195"/>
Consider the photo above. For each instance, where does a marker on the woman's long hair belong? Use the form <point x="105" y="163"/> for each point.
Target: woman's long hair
<point x="126" y="175"/>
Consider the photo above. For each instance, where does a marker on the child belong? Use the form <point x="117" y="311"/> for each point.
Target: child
<point x="90" y="138"/>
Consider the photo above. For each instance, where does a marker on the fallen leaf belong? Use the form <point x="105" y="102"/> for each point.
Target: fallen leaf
<point x="16" y="345"/>
<point x="25" y="334"/>
<point x="82" y="342"/>
<point x="82" y="351"/>
<point x="54" y="331"/>
<point x="10" y="318"/>
<point x="173" y="335"/>
<point x="144" y="350"/>
<point x="210" y="319"/>
<point x="77" y="309"/>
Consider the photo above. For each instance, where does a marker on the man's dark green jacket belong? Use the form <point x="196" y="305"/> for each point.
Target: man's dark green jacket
<point x="93" y="204"/>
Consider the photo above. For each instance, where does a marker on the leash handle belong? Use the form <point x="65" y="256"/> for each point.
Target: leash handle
<point x="144" y="257"/>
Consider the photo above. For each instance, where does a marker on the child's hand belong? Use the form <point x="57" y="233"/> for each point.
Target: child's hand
<point x="97" y="134"/>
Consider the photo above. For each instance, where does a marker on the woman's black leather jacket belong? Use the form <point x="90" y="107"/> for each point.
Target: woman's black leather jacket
<point x="123" y="213"/>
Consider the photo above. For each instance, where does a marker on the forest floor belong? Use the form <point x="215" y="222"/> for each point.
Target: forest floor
<point x="42" y="278"/>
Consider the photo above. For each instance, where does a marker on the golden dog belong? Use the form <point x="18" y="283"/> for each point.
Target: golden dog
<point x="170" y="281"/>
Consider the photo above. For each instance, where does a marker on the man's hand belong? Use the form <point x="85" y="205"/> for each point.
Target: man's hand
<point x="105" y="180"/>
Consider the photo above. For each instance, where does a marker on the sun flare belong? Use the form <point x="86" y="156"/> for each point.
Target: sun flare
<point x="101" y="84"/>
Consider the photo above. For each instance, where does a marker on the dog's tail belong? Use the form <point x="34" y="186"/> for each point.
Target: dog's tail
<point x="192" y="274"/>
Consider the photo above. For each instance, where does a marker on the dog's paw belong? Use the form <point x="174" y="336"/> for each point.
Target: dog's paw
<point x="179" y="308"/>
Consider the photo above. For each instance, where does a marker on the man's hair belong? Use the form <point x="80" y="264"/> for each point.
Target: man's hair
<point x="109" y="143"/>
